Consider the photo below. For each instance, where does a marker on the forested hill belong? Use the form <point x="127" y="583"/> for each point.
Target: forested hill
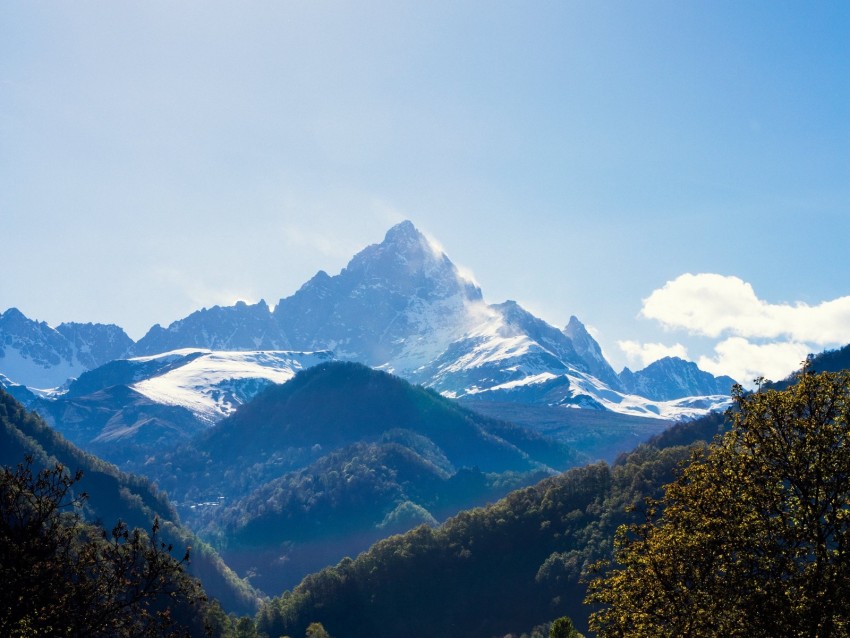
<point x="827" y="361"/>
<point x="337" y="458"/>
<point x="489" y="571"/>
<point x="335" y="404"/>
<point x="114" y="495"/>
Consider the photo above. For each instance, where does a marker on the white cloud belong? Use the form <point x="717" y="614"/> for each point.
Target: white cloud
<point x="641" y="355"/>
<point x="745" y="361"/>
<point x="715" y="305"/>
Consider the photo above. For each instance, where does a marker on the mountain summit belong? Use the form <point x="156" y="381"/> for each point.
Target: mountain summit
<point x="395" y="305"/>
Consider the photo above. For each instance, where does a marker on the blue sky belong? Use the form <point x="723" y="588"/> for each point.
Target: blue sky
<point x="676" y="174"/>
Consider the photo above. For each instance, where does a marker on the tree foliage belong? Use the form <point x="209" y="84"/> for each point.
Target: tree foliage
<point x="64" y="577"/>
<point x="563" y="628"/>
<point x="753" y="537"/>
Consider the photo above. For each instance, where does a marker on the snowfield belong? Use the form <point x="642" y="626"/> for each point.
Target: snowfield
<point x="213" y="384"/>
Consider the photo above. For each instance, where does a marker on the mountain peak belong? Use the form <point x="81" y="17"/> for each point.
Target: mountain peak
<point x="588" y="348"/>
<point x="403" y="232"/>
<point x="674" y="378"/>
<point x="400" y="299"/>
<point x="408" y="262"/>
<point x="12" y="313"/>
<point x="406" y="245"/>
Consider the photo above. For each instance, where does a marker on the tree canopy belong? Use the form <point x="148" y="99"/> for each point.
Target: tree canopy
<point x="753" y="537"/>
<point x="64" y="577"/>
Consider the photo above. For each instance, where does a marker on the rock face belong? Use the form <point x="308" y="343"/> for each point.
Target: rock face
<point x="36" y="355"/>
<point x="674" y="378"/>
<point x="239" y="327"/>
<point x="95" y="343"/>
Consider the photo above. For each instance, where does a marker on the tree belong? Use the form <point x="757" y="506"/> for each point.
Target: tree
<point x="753" y="537"/>
<point x="64" y="577"/>
<point x="317" y="630"/>
<point x="563" y="628"/>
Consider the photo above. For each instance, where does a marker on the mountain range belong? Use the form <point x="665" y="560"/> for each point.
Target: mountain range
<point x="401" y="306"/>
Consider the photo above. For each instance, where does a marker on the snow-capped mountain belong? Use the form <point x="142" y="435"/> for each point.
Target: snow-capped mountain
<point x="397" y="305"/>
<point x="401" y="306"/>
<point x="673" y="378"/>
<point x="38" y="356"/>
<point x="590" y="352"/>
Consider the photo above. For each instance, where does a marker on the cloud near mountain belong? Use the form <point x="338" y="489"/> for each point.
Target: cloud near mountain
<point x="646" y="353"/>
<point x="747" y="360"/>
<point x="760" y="338"/>
<point x="715" y="305"/>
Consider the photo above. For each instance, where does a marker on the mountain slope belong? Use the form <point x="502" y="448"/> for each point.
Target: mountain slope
<point x="490" y="571"/>
<point x="115" y="495"/>
<point x="341" y="504"/>
<point x="212" y="385"/>
<point x="334" y="404"/>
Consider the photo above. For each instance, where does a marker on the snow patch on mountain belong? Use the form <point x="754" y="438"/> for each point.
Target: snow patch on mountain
<point x="213" y="384"/>
<point x="38" y="373"/>
<point x="680" y="408"/>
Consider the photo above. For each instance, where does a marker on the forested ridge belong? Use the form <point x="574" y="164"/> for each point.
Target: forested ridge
<point x="336" y="459"/>
<point x="752" y="538"/>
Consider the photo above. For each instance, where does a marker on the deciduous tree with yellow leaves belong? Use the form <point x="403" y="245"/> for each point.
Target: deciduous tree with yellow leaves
<point x="753" y="537"/>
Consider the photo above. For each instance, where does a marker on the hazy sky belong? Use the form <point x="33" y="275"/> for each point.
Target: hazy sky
<point x="676" y="174"/>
